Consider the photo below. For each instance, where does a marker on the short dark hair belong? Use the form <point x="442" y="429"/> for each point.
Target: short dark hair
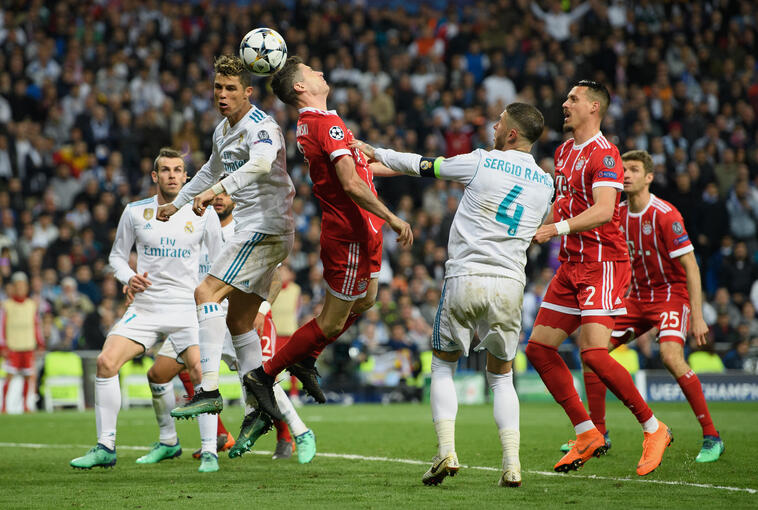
<point x="230" y="65"/>
<point x="527" y="118"/>
<point x="641" y="156"/>
<point x="166" y="152"/>
<point x="283" y="81"/>
<point x="596" y="92"/>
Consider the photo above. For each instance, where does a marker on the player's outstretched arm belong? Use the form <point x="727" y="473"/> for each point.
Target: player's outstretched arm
<point x="359" y="192"/>
<point x="599" y="213"/>
<point x="694" y="288"/>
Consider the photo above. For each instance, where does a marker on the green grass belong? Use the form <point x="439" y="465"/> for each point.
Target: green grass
<point x="41" y="477"/>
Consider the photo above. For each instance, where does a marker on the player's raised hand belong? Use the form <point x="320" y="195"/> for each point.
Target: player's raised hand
<point x="202" y="201"/>
<point x="403" y="229"/>
<point x="700" y="330"/>
<point x="545" y="233"/>
<point x="139" y="283"/>
<point x="165" y="211"/>
<point x="362" y="146"/>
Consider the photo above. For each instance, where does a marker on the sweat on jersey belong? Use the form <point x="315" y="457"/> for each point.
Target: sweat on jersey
<point x="323" y="138"/>
<point x="265" y="204"/>
<point x="578" y="170"/>
<point x="656" y="237"/>
<point x="169" y="252"/>
<point x="507" y="195"/>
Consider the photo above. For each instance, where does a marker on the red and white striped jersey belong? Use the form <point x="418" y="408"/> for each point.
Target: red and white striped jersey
<point x="656" y="238"/>
<point x="579" y="169"/>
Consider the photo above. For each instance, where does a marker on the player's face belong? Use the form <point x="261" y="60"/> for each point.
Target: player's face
<point x="576" y="108"/>
<point x="504" y="133"/>
<point x="313" y="81"/>
<point x="635" y="178"/>
<point x="170" y="176"/>
<point x="230" y="96"/>
<point x="223" y="205"/>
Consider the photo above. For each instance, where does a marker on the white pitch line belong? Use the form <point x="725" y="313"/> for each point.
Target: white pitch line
<point x="348" y="456"/>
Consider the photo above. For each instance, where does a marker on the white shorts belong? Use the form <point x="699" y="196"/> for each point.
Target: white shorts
<point x="487" y="305"/>
<point x="147" y="327"/>
<point x="249" y="260"/>
<point x="227" y="354"/>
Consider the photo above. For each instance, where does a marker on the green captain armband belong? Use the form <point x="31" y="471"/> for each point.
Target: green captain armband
<point x="430" y="167"/>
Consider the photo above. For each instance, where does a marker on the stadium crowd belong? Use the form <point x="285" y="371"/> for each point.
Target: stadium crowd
<point x="89" y="92"/>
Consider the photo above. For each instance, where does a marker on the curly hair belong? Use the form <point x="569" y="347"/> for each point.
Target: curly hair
<point x="231" y="65"/>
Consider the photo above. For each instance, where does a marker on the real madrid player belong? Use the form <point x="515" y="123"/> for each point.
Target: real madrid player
<point x="248" y="149"/>
<point x="168" y="255"/>
<point x="507" y="196"/>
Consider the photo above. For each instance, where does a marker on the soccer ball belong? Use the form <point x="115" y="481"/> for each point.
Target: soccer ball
<point x="263" y="51"/>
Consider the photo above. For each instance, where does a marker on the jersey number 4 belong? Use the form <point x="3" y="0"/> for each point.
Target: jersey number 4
<point x="511" y="220"/>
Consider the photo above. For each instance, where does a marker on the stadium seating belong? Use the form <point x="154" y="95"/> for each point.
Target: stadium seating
<point x="63" y="384"/>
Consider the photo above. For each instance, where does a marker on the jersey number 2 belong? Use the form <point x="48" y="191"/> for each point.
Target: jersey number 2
<point x="511" y="220"/>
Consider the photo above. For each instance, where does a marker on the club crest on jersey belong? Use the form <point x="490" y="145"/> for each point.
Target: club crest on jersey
<point x="609" y="162"/>
<point x="336" y="133"/>
<point x="188" y="227"/>
<point x="677" y="228"/>
<point x="579" y="164"/>
<point x="560" y="163"/>
<point x="362" y="285"/>
<point x="147" y="214"/>
<point x="647" y="228"/>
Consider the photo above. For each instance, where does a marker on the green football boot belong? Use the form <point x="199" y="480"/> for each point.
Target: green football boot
<point x="201" y="402"/>
<point x="712" y="449"/>
<point x="208" y="463"/>
<point x="160" y="452"/>
<point x="253" y="426"/>
<point x="99" y="456"/>
<point x="565" y="447"/>
<point x="306" y="446"/>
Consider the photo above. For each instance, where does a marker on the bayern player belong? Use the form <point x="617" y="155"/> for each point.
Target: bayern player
<point x="350" y="233"/>
<point x="589" y="286"/>
<point x="168" y="256"/>
<point x="248" y="149"/>
<point x="666" y="293"/>
<point x="506" y="198"/>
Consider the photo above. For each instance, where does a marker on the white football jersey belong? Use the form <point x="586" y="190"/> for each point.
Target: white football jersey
<point x="169" y="252"/>
<point x="507" y="196"/>
<point x="265" y="205"/>
<point x="205" y="258"/>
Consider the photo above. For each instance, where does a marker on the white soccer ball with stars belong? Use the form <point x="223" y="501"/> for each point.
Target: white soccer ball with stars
<point x="263" y="51"/>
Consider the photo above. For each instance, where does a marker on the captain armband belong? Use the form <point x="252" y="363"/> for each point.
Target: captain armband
<point x="430" y="167"/>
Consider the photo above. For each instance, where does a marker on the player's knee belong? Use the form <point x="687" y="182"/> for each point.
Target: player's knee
<point x="672" y="360"/>
<point x="363" y="304"/>
<point x="106" y="366"/>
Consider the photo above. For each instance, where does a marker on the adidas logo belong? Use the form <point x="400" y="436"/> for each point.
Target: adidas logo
<point x="618" y="301"/>
<point x="147" y="227"/>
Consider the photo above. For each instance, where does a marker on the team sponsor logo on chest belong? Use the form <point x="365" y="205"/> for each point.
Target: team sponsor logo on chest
<point x="147" y="214"/>
<point x="647" y="228"/>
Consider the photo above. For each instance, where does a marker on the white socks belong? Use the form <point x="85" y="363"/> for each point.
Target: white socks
<point x="212" y="320"/>
<point x="650" y="425"/>
<point x="164" y="401"/>
<point x="510" y="440"/>
<point x="208" y="425"/>
<point x="107" y="405"/>
<point x="505" y="406"/>
<point x="585" y="426"/>
<point x="296" y="425"/>
<point x="247" y="347"/>
<point x="444" y="403"/>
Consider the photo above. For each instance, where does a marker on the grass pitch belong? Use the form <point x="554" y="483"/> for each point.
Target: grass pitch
<point x="373" y="456"/>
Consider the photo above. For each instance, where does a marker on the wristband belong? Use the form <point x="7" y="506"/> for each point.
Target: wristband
<point x="264" y="308"/>
<point x="563" y="227"/>
<point x="218" y="188"/>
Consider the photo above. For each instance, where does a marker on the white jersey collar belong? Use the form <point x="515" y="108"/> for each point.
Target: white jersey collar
<point x="644" y="209"/>
<point x="316" y="110"/>
<point x="583" y="145"/>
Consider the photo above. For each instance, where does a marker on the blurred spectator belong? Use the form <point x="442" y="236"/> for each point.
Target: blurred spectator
<point x="734" y="359"/>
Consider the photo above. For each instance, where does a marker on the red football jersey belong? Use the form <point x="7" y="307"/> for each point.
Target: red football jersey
<point x="579" y="169"/>
<point x="656" y="237"/>
<point x="323" y="138"/>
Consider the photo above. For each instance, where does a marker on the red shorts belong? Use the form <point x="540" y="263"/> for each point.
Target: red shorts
<point x="20" y="362"/>
<point x="582" y="292"/>
<point x="347" y="267"/>
<point x="375" y="253"/>
<point x="268" y="338"/>
<point x="672" y="318"/>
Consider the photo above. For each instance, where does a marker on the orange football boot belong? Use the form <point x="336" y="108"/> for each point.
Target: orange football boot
<point x="653" y="447"/>
<point x="587" y="445"/>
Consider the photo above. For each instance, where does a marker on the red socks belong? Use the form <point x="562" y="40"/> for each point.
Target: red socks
<point x="307" y="339"/>
<point x="349" y="322"/>
<point x="595" y="399"/>
<point x="618" y="380"/>
<point x="557" y="377"/>
<point x="221" y="428"/>
<point x="282" y="431"/>
<point x="187" y="383"/>
<point x="693" y="391"/>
